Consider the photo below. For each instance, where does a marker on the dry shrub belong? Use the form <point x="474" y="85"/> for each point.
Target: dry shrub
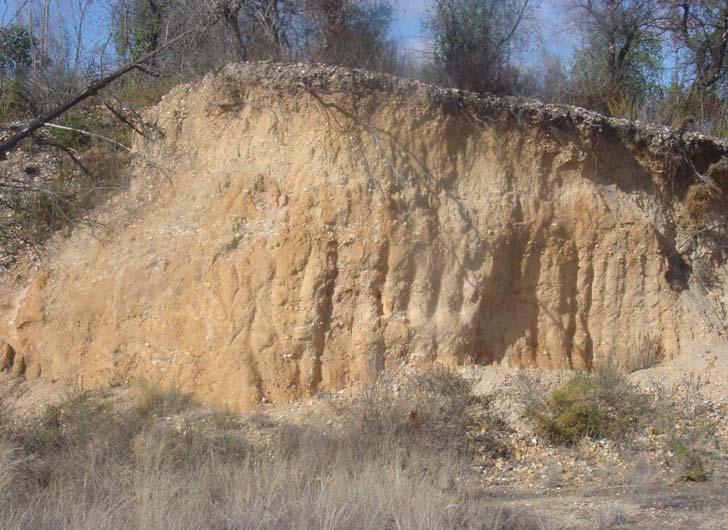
<point x="430" y="407"/>
<point x="620" y="105"/>
<point x="414" y="419"/>
<point x="689" y="460"/>
<point x="701" y="200"/>
<point x="552" y="475"/>
<point x="642" y="477"/>
<point x="138" y="92"/>
<point x="609" y="517"/>
<point x="685" y="420"/>
<point x="396" y="457"/>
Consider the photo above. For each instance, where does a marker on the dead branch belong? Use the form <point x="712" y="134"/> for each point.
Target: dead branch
<point x="89" y="133"/>
<point x="120" y="116"/>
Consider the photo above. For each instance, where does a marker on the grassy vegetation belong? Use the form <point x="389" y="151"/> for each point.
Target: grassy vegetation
<point x="398" y="454"/>
<point x="395" y="456"/>
<point x="151" y="400"/>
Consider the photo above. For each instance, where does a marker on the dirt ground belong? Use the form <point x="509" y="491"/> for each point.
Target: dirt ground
<point x="596" y="484"/>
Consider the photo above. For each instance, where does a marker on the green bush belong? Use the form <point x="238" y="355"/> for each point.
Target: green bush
<point x="606" y="404"/>
<point x="575" y="411"/>
<point x="601" y="404"/>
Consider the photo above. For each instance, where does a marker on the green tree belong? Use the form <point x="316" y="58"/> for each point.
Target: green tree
<point x="16" y="44"/>
<point x="475" y="41"/>
<point x="619" y="64"/>
<point x="15" y="50"/>
<point x="137" y="26"/>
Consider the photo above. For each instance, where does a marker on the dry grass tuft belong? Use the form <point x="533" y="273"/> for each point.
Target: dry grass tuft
<point x="648" y="353"/>
<point x="150" y="400"/>
<point x="700" y="201"/>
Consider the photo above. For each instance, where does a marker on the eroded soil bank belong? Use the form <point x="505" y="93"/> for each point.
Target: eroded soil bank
<point x="289" y="229"/>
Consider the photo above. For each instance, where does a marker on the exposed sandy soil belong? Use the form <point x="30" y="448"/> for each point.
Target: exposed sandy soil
<point x="289" y="227"/>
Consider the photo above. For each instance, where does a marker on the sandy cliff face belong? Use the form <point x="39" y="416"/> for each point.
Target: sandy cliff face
<point x="292" y="228"/>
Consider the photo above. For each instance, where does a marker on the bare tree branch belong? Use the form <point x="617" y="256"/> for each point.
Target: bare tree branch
<point x="88" y="133"/>
<point x="90" y="90"/>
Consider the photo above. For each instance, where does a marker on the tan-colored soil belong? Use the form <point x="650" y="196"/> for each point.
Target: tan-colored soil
<point x="289" y="228"/>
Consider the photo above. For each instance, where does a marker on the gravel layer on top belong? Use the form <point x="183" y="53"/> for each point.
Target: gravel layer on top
<point x="360" y="83"/>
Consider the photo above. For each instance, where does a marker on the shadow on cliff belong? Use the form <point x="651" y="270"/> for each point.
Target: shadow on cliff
<point x="508" y="307"/>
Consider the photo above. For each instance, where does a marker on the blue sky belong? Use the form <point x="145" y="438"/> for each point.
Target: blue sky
<point x="413" y="7"/>
<point x="408" y="28"/>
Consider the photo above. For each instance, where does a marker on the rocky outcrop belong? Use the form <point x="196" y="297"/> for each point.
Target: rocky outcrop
<point x="292" y="228"/>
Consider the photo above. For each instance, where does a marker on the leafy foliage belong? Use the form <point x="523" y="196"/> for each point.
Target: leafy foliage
<point x="138" y="23"/>
<point x="15" y="48"/>
<point x="618" y="68"/>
